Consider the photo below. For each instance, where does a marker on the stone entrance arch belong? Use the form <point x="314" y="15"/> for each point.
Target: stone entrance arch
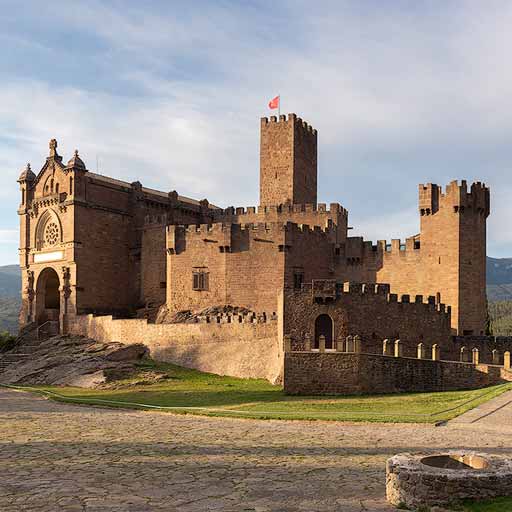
<point x="324" y="327"/>
<point x="47" y="296"/>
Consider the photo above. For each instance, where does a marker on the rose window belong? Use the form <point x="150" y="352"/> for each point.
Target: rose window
<point x="51" y="234"/>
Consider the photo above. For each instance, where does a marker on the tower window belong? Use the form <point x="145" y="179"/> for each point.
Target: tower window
<point x="200" y="280"/>
<point x="298" y="280"/>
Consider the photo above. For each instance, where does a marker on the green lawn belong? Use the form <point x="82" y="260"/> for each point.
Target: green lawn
<point x="497" y="505"/>
<point x="189" y="391"/>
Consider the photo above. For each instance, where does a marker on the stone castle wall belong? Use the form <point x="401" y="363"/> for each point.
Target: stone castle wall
<point x="248" y="265"/>
<point x="491" y="349"/>
<point x="248" y="349"/>
<point x="310" y="373"/>
<point x="370" y="312"/>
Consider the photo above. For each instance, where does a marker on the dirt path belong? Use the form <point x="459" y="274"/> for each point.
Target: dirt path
<point x="58" y="457"/>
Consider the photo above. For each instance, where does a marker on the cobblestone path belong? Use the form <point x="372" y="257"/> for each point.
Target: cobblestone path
<point x="58" y="457"/>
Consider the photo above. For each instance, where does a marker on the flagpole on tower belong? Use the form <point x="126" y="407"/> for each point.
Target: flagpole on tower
<point x="279" y="106"/>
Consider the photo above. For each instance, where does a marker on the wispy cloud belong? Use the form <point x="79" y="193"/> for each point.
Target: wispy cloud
<point x="401" y="94"/>
<point x="9" y="236"/>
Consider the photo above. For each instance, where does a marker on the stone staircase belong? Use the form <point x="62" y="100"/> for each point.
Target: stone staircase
<point x="27" y="343"/>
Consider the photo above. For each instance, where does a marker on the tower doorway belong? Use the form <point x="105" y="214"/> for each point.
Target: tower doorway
<point x="47" y="296"/>
<point x="324" y="327"/>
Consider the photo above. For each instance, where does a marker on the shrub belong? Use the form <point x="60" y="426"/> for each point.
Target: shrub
<point x="7" y="341"/>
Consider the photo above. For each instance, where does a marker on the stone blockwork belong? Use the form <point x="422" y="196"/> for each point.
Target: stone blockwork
<point x="246" y="265"/>
<point x="94" y="244"/>
<point x="491" y="349"/>
<point x="235" y="346"/>
<point x="288" y="161"/>
<point x="315" y="373"/>
<point x="368" y="311"/>
<point x="86" y="234"/>
<point x="411" y="480"/>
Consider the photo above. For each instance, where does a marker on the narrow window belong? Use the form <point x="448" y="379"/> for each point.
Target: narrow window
<point x="57" y="188"/>
<point x="298" y="280"/>
<point x="51" y="186"/>
<point x="71" y="184"/>
<point x="200" y="281"/>
<point x="23" y="197"/>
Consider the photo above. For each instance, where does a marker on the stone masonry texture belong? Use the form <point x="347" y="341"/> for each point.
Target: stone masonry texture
<point x="92" y="244"/>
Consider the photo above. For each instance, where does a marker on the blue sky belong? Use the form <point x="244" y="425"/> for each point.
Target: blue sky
<point x="170" y="93"/>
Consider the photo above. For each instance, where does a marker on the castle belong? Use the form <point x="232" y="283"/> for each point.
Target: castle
<point x="227" y="290"/>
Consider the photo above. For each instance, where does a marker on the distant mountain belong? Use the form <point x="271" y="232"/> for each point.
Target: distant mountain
<point x="10" y="290"/>
<point x="499" y="270"/>
<point x="10" y="281"/>
<point x="9" y="311"/>
<point x="499" y="279"/>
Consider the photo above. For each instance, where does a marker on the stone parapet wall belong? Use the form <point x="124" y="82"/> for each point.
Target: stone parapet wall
<point x="314" y="373"/>
<point x="247" y="349"/>
<point x="490" y="348"/>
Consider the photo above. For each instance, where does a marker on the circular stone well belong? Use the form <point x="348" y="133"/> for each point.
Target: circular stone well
<point x="443" y="479"/>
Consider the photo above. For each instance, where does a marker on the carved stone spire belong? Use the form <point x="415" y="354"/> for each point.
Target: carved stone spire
<point x="53" y="148"/>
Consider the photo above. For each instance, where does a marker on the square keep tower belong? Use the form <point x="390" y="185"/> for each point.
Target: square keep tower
<point x="288" y="161"/>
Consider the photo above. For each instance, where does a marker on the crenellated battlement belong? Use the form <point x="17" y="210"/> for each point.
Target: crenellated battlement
<point x="253" y="227"/>
<point x="455" y="196"/>
<point x="290" y="119"/>
<point x="334" y="209"/>
<point x="320" y="290"/>
<point x="239" y="318"/>
<point x="365" y="250"/>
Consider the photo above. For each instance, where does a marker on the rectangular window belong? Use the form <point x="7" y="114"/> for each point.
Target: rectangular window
<point x="298" y="280"/>
<point x="200" y="281"/>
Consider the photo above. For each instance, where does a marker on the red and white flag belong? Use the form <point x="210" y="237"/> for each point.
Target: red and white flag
<point x="274" y="103"/>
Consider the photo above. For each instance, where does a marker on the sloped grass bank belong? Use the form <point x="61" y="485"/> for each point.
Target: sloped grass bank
<point x="183" y="390"/>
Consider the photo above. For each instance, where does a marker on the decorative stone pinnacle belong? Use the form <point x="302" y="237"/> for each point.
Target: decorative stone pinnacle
<point x="76" y="152"/>
<point x="53" y="147"/>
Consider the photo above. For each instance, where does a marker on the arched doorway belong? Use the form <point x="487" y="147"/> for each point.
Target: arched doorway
<point x="47" y="296"/>
<point x="324" y="327"/>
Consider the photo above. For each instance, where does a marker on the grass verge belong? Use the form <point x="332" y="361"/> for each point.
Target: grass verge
<point x="496" y="505"/>
<point x="182" y="390"/>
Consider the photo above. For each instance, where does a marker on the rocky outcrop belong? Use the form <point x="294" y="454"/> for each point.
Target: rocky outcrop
<point x="71" y="361"/>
